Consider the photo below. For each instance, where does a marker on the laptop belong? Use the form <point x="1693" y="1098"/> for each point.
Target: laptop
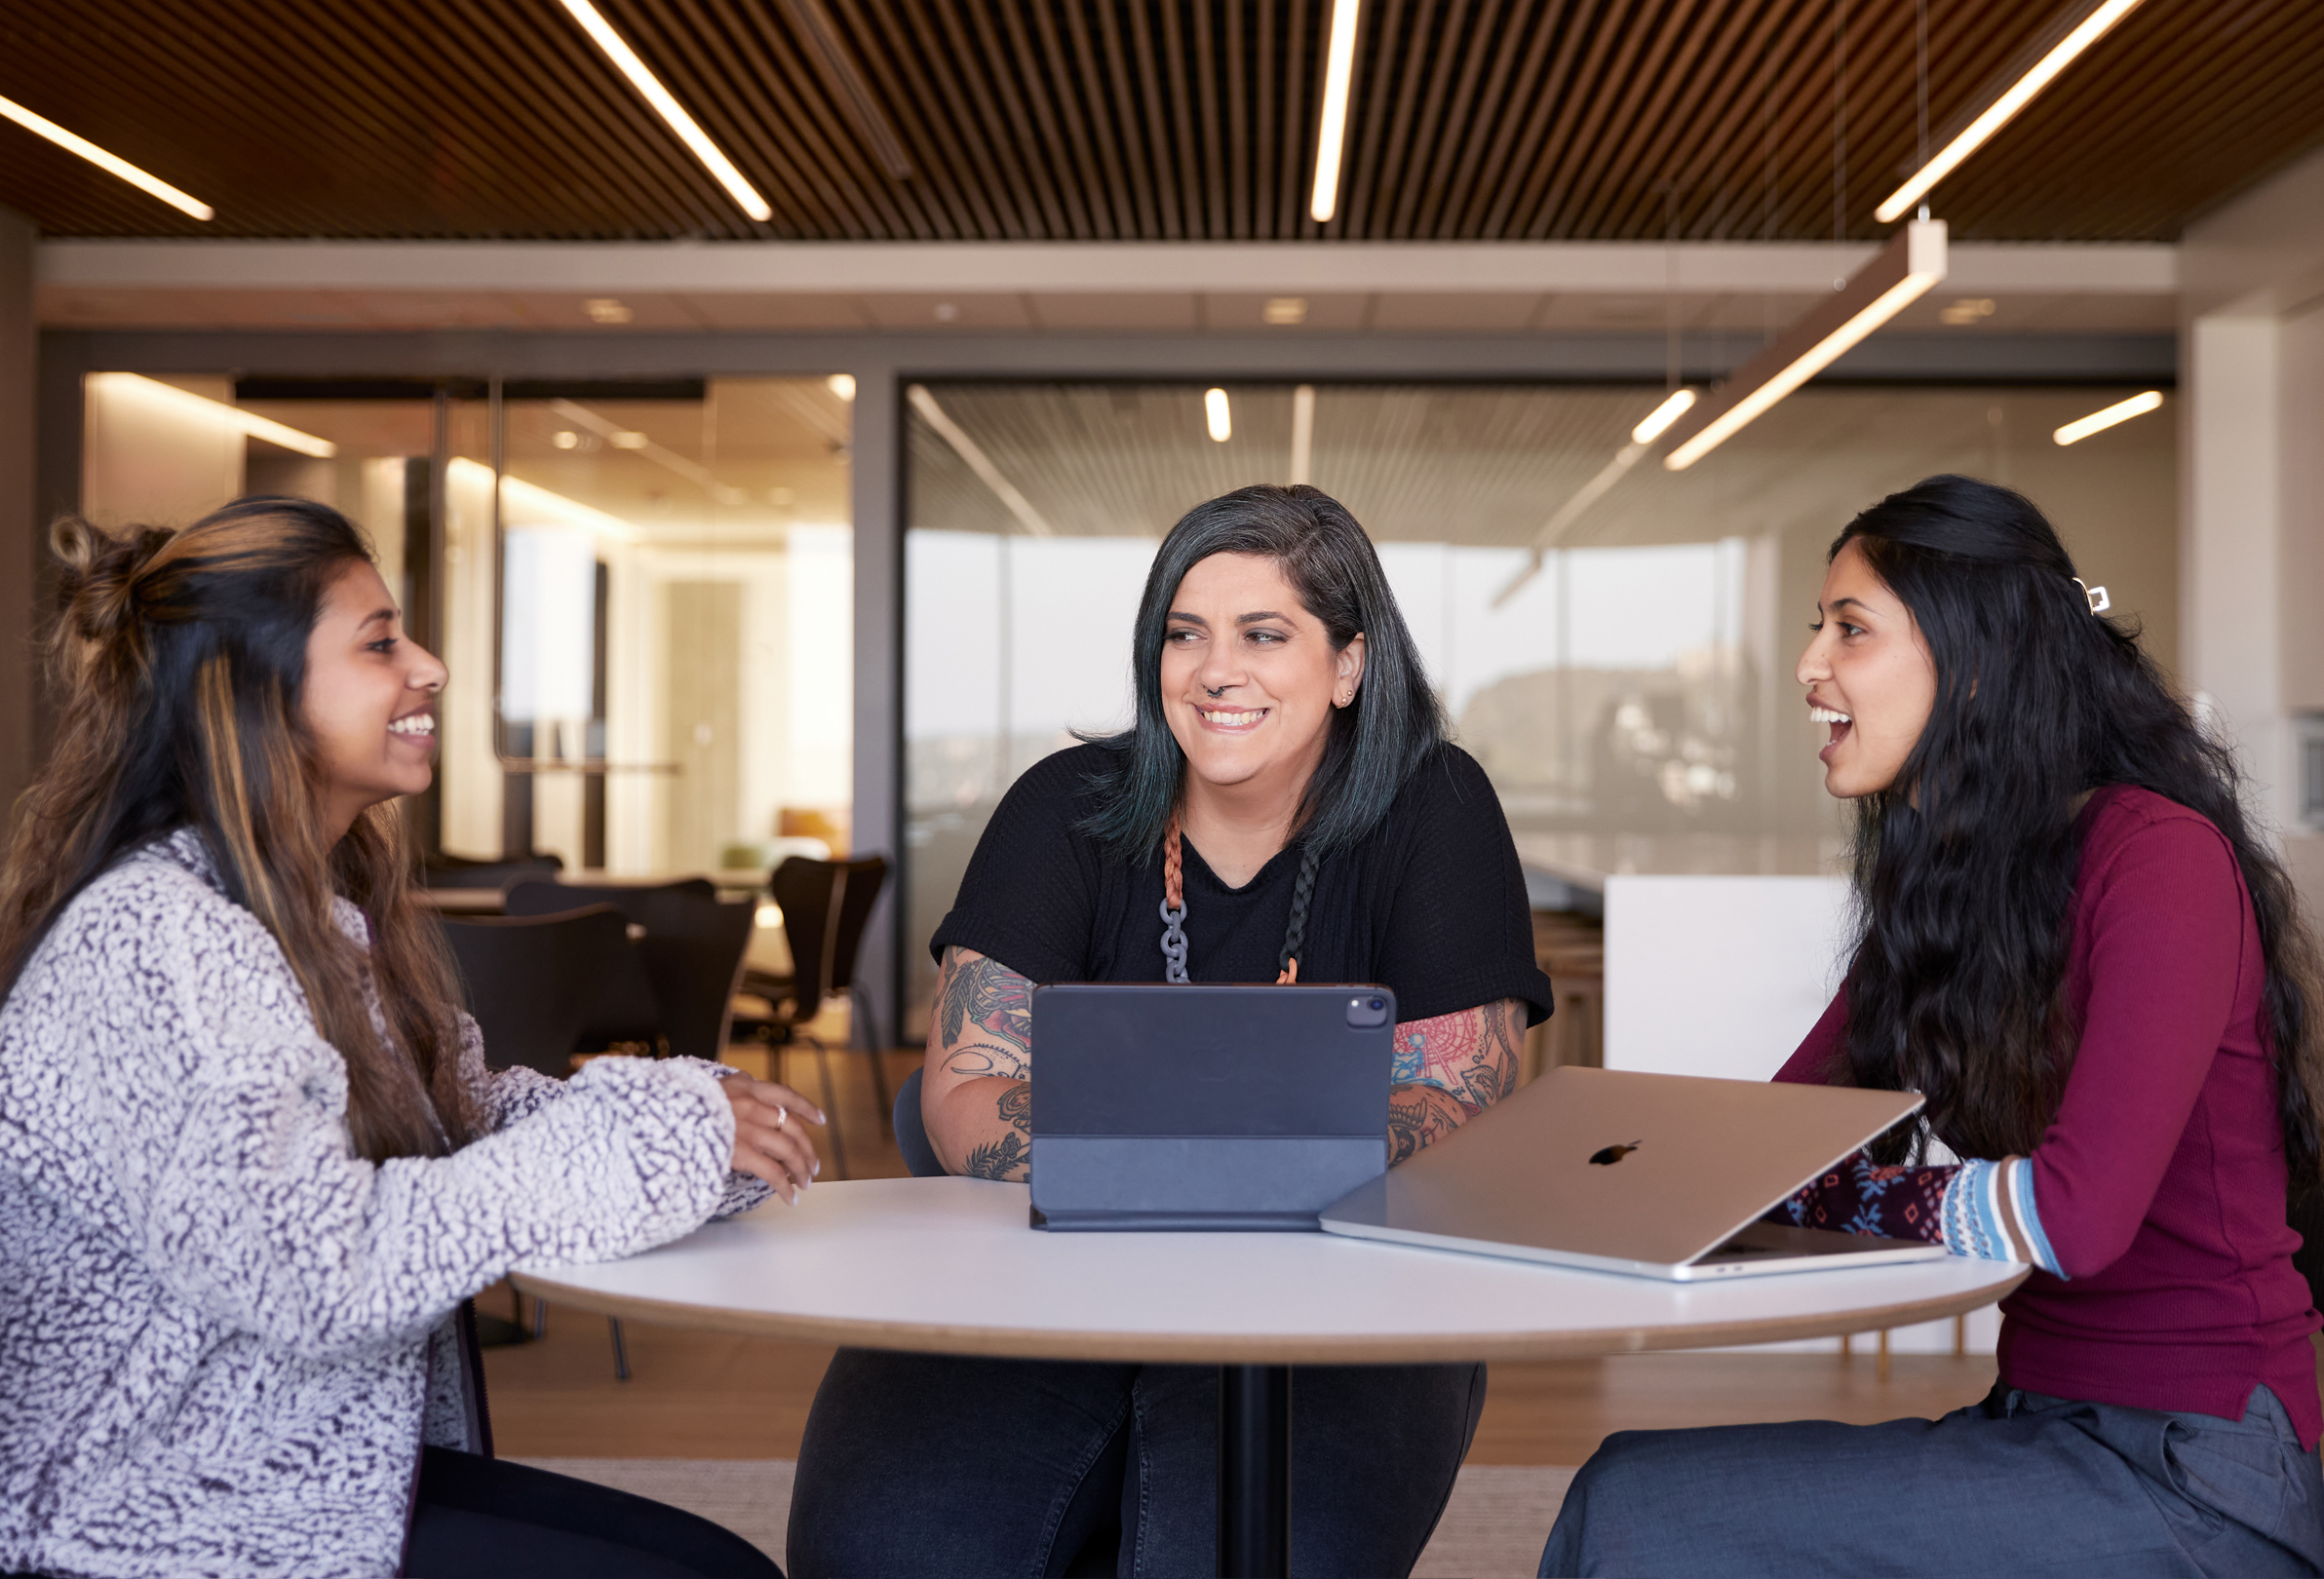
<point x="1656" y="1176"/>
<point x="1200" y="1106"/>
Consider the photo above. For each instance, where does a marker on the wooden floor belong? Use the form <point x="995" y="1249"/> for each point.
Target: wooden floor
<point x="698" y="1395"/>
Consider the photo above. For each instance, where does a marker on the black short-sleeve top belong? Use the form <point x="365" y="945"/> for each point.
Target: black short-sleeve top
<point x="1431" y="903"/>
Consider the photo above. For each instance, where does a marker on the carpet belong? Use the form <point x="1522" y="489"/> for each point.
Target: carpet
<point x="1499" y="1515"/>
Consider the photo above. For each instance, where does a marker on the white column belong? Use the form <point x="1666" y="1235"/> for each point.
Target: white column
<point x="2231" y="544"/>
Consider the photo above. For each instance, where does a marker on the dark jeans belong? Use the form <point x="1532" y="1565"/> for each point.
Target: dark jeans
<point x="2018" y="1485"/>
<point x="925" y="1464"/>
<point x="488" y="1518"/>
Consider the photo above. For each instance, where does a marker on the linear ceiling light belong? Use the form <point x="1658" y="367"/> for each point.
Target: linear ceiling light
<point x="110" y="164"/>
<point x="2074" y="433"/>
<point x="2074" y="30"/>
<point x="666" y="105"/>
<point x="1331" y="127"/>
<point x="1677" y="406"/>
<point x="233" y="418"/>
<point x="1903" y="271"/>
<point x="1216" y="413"/>
<point x="520" y="497"/>
<point x="972" y="452"/>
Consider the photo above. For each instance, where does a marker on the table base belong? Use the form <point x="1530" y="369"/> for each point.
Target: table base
<point x="1254" y="1471"/>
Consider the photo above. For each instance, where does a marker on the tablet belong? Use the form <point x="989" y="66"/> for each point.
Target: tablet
<point x="1206" y="1107"/>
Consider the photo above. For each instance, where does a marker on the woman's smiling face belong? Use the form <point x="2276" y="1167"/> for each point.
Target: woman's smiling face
<point x="368" y="699"/>
<point x="1249" y="676"/>
<point x="1871" y="679"/>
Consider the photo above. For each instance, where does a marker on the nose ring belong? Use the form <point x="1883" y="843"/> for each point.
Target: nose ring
<point x="1216" y="691"/>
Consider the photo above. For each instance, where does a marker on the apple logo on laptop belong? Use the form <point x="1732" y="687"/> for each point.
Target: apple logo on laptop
<point x="1607" y="1156"/>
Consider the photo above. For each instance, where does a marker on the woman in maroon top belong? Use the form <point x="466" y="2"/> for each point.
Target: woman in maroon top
<point x="2074" y="944"/>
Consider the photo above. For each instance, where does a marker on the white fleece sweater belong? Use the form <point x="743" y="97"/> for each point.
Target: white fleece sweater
<point x="223" y="1336"/>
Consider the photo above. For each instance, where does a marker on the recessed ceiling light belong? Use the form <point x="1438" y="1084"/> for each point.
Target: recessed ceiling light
<point x="110" y="164"/>
<point x="628" y="439"/>
<point x="608" y="309"/>
<point x="841" y="385"/>
<point x="2099" y="421"/>
<point x="1967" y="310"/>
<point x="1216" y="413"/>
<point x="1285" y="310"/>
<point x="666" y="105"/>
<point x="566" y="439"/>
<point x="1331" y="124"/>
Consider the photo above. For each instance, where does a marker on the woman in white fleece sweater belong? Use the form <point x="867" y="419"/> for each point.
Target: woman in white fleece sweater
<point x="250" y="1159"/>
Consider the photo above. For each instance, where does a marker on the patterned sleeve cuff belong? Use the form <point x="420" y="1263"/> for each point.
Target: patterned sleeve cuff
<point x="1988" y="1211"/>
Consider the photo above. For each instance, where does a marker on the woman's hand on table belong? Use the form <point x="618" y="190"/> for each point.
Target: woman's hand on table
<point x="769" y="1141"/>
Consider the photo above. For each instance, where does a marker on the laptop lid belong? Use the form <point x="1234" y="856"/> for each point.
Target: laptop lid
<point x="1608" y="1166"/>
<point x="1207" y="1105"/>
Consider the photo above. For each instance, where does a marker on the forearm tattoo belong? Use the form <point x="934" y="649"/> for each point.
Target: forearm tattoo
<point x="1008" y="1155"/>
<point x="1449" y="1070"/>
<point x="1472" y="1055"/>
<point x="985" y="1012"/>
<point x="1420" y="1116"/>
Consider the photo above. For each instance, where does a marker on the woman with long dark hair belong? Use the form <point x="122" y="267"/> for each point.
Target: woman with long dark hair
<point x="2074" y="942"/>
<point x="1283" y="807"/>
<point x="250" y="1159"/>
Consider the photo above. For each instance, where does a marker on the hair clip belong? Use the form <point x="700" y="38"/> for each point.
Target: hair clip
<point x="2096" y="597"/>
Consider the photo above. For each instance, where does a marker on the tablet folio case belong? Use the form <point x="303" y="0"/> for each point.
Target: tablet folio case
<point x="1206" y="1106"/>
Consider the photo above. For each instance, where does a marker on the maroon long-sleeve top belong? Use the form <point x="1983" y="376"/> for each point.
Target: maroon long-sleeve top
<point x="2160" y="1184"/>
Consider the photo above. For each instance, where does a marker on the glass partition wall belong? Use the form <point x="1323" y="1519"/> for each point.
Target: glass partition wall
<point x="643" y="592"/>
<point x="1615" y="642"/>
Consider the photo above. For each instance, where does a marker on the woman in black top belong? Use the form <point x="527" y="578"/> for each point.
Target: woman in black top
<point x="1285" y="807"/>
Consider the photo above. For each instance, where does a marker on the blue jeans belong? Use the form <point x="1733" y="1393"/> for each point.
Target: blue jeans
<point x="930" y="1464"/>
<point x="2022" y="1484"/>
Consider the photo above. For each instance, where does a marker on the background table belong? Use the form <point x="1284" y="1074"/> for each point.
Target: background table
<point x="950" y="1266"/>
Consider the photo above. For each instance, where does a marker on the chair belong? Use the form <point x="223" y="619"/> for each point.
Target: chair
<point x="675" y="985"/>
<point x="689" y="961"/>
<point x="911" y="1132"/>
<point x="445" y="869"/>
<point x="528" y="981"/>
<point x="825" y="906"/>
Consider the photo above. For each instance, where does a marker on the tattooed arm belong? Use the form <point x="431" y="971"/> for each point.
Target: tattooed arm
<point x="1449" y="1070"/>
<point x="977" y="1096"/>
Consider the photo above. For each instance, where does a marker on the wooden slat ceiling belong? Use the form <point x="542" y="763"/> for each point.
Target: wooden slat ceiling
<point x="1138" y="119"/>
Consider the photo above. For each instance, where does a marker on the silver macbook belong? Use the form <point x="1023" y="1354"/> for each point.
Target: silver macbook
<point x="1657" y="1176"/>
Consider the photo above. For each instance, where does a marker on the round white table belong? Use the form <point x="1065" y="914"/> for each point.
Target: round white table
<point x="952" y="1266"/>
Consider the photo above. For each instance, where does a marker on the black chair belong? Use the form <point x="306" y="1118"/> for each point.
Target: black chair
<point x="689" y="959"/>
<point x="444" y="870"/>
<point x="529" y="980"/>
<point x="673" y="986"/>
<point x="528" y="983"/>
<point x="825" y="906"/>
<point x="911" y="1132"/>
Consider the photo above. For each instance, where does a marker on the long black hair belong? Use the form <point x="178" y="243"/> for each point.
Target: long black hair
<point x="1376" y="743"/>
<point x="179" y="661"/>
<point x="1965" y="865"/>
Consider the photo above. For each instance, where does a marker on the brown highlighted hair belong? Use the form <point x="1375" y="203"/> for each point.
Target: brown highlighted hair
<point x="178" y="660"/>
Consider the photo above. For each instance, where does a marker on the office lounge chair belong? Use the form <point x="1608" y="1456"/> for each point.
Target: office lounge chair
<point x="528" y="981"/>
<point x="689" y="959"/>
<point x="825" y="906"/>
<point x="674" y="986"/>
